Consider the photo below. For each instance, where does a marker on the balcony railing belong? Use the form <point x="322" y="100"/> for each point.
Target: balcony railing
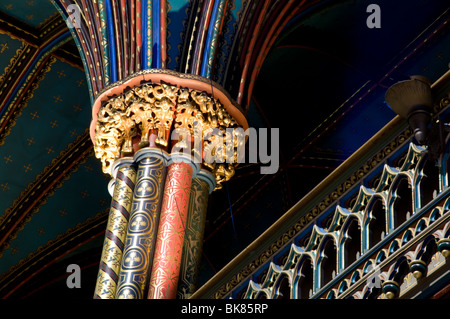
<point x="376" y="230"/>
<point x="380" y="235"/>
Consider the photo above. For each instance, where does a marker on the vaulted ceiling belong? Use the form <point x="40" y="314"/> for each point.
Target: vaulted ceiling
<point x="322" y="84"/>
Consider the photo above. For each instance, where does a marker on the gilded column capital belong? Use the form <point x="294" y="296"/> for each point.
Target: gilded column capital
<point x="172" y="113"/>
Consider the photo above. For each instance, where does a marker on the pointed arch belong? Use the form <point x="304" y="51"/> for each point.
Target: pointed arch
<point x="350" y="241"/>
<point x="426" y="181"/>
<point x="375" y="221"/>
<point x="283" y="287"/>
<point x="327" y="255"/>
<point x="304" y="277"/>
<point x="401" y="201"/>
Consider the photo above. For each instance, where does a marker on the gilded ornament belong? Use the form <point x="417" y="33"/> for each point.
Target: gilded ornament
<point x="153" y="109"/>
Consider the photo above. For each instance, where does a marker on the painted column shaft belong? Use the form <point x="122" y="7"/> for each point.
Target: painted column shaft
<point x="143" y="224"/>
<point x="202" y="186"/>
<point x="169" y="244"/>
<point x="116" y="230"/>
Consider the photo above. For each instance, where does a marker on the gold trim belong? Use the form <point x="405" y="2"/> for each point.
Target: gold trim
<point x="14" y="36"/>
<point x="13" y="61"/>
<point x="25" y="97"/>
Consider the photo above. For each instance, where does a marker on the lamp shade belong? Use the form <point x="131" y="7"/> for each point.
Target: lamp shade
<point x="408" y="96"/>
<point x="412" y="100"/>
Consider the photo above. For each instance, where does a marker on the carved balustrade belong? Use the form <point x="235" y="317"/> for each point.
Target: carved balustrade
<point x="383" y="233"/>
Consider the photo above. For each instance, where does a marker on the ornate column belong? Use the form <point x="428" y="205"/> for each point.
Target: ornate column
<point x="126" y="54"/>
<point x="202" y="185"/>
<point x="166" y="264"/>
<point x="116" y="230"/>
<point x="143" y="223"/>
<point x="161" y="115"/>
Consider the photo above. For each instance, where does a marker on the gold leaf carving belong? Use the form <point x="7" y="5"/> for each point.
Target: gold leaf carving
<point x="153" y="109"/>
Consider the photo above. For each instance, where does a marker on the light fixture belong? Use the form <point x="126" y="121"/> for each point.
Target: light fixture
<point x="412" y="100"/>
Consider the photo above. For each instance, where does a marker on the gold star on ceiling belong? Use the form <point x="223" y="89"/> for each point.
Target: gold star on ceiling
<point x="34" y="115"/>
<point x="14" y="250"/>
<point x="54" y="124"/>
<point x="4" y="187"/>
<point x="31" y="141"/>
<point x="73" y="133"/>
<point x="3" y="47"/>
<point x="7" y="159"/>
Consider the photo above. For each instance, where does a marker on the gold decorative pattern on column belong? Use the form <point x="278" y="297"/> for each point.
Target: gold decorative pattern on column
<point x="116" y="230"/>
<point x="142" y="225"/>
<point x="202" y="185"/>
<point x="171" y="230"/>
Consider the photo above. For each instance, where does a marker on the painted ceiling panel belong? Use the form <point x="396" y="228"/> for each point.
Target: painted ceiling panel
<point x="8" y="49"/>
<point x="54" y="219"/>
<point x="46" y="126"/>
<point x="31" y="12"/>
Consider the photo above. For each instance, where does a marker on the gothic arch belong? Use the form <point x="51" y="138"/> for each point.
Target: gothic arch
<point x="327" y="254"/>
<point x="375" y="221"/>
<point x="400" y="206"/>
<point x="350" y="241"/>
<point x="304" y="277"/>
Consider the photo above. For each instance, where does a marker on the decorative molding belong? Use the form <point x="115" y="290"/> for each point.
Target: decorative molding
<point x="25" y="93"/>
<point x="18" y="30"/>
<point x="174" y="78"/>
<point x="11" y="70"/>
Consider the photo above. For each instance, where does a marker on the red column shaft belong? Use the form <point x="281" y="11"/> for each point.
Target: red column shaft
<point x="169" y="243"/>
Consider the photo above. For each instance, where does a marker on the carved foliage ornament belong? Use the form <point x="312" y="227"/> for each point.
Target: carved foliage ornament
<point x="152" y="110"/>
